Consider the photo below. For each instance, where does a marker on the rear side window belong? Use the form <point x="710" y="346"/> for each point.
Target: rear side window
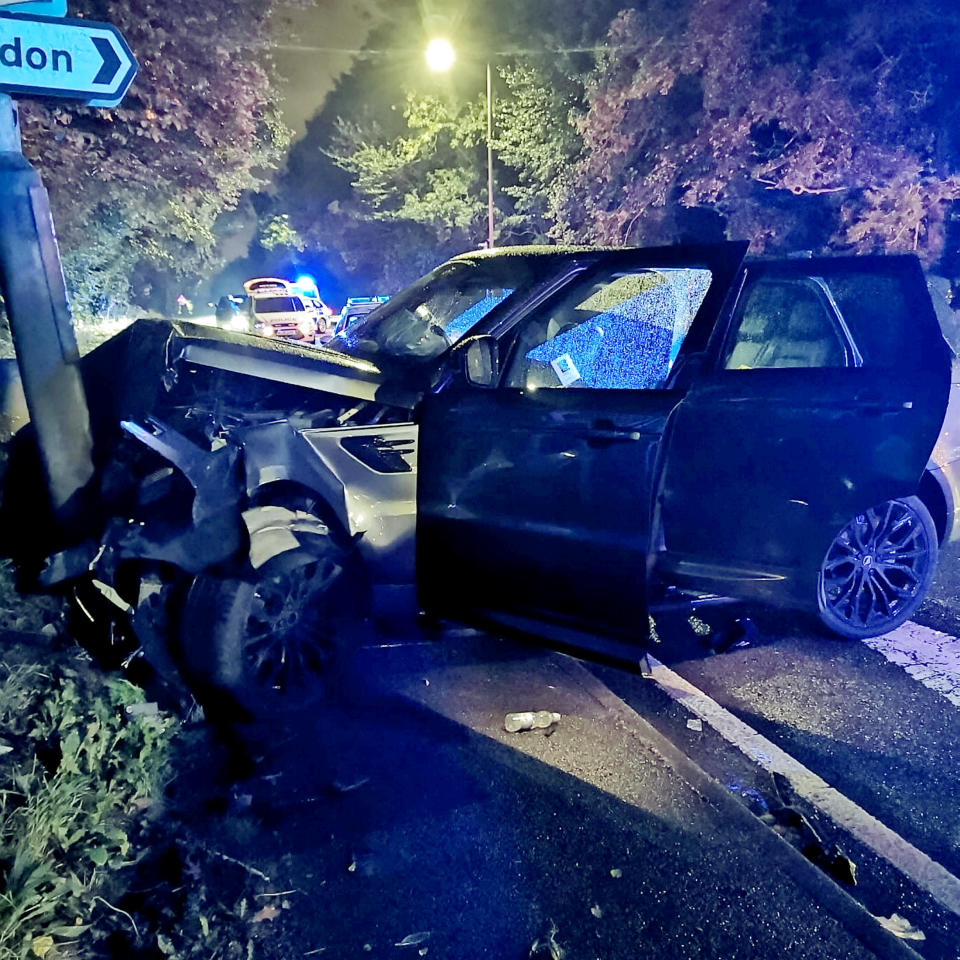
<point x="784" y="323"/>
<point x="875" y="306"/>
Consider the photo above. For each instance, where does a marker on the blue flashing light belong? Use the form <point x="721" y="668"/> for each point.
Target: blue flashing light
<point x="306" y="285"/>
<point x="356" y="301"/>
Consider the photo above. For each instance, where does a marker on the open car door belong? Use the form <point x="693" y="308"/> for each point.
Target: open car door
<point x="535" y="492"/>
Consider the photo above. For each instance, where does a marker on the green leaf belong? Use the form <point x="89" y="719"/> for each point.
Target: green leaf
<point x="99" y="855"/>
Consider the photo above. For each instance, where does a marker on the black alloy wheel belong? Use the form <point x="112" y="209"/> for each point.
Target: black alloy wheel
<point x="878" y="569"/>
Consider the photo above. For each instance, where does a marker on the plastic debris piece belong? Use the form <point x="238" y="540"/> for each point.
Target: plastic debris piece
<point x="843" y="869"/>
<point x="756" y="802"/>
<point x="616" y="873"/>
<point x="422" y="951"/>
<point x="142" y="709"/>
<point x="901" y="927"/>
<point x="49" y="630"/>
<point x="41" y="946"/>
<point x="345" y="787"/>
<point x="5" y="748"/>
<point x="695" y="724"/>
<point x="596" y="911"/>
<point x="414" y="939"/>
<point x="545" y="947"/>
<point x="265" y="913"/>
<point x="529" y="720"/>
<point x="741" y="633"/>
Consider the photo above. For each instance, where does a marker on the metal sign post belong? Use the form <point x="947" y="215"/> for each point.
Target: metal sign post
<point x="63" y="58"/>
<point x="35" y="296"/>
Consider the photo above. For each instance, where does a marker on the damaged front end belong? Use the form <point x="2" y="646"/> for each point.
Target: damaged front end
<point x="273" y="482"/>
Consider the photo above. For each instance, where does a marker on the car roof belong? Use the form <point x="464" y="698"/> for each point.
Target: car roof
<point x="799" y="258"/>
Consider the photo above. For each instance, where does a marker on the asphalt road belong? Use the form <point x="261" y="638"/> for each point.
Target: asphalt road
<point x="402" y="820"/>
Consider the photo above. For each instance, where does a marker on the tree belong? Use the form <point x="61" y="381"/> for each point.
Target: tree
<point x="791" y="124"/>
<point x="144" y="183"/>
<point x="431" y="175"/>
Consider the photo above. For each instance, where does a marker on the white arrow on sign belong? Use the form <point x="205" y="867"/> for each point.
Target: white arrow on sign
<point x="78" y="59"/>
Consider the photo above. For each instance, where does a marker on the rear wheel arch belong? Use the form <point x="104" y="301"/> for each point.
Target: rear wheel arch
<point x="934" y="494"/>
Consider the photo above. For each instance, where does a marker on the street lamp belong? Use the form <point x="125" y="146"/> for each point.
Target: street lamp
<point x="440" y="58"/>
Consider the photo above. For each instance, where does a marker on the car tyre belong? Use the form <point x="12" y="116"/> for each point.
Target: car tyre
<point x="272" y="641"/>
<point x="878" y="569"/>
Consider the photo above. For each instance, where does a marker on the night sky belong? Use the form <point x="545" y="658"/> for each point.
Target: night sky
<point x="306" y="67"/>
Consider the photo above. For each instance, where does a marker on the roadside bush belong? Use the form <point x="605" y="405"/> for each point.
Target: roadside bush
<point x="82" y="758"/>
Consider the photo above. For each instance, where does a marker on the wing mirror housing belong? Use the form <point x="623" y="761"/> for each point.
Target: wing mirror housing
<point x="481" y="361"/>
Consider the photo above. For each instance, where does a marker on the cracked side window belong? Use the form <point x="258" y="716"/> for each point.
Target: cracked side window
<point x="621" y="333"/>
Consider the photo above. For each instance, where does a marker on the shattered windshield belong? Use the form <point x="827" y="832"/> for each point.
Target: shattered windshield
<point x="434" y="313"/>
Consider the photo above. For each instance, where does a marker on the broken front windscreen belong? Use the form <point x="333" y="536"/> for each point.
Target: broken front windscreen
<point x="426" y="319"/>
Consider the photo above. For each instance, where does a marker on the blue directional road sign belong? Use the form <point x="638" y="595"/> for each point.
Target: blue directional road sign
<point x="78" y="59"/>
<point x="46" y="8"/>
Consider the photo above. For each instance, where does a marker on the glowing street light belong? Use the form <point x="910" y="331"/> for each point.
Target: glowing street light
<point x="440" y="58"/>
<point x="440" y="55"/>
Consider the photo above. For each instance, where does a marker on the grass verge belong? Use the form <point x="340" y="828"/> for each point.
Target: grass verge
<point x="83" y="760"/>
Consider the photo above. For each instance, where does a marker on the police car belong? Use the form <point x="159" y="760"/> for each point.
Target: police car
<point x="354" y="309"/>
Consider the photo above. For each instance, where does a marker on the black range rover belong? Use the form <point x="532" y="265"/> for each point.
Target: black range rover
<point x="541" y="438"/>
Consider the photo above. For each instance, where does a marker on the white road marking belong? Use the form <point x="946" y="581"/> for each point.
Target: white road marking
<point x="927" y="655"/>
<point x="929" y="875"/>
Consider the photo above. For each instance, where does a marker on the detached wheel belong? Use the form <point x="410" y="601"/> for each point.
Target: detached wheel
<point x="878" y="569"/>
<point x="267" y="644"/>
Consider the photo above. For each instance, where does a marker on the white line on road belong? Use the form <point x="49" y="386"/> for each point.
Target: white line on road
<point x="927" y="655"/>
<point x="929" y="875"/>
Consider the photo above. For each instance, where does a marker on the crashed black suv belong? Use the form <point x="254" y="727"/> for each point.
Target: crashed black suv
<point x="545" y="439"/>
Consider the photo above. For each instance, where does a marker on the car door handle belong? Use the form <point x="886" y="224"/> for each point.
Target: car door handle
<point x="869" y="407"/>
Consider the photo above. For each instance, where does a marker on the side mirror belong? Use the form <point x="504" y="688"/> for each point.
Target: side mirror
<point x="481" y="361"/>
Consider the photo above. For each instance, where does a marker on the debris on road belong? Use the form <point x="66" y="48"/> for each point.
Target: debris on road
<point x="268" y="912"/>
<point x="414" y="939"/>
<point x="530" y="720"/>
<point x="545" y="947"/>
<point x="695" y="724"/>
<point x="596" y="911"/>
<point x="151" y="709"/>
<point x="341" y="786"/>
<point x="794" y="827"/>
<point x="616" y="873"/>
<point x="741" y="633"/>
<point x="901" y="927"/>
